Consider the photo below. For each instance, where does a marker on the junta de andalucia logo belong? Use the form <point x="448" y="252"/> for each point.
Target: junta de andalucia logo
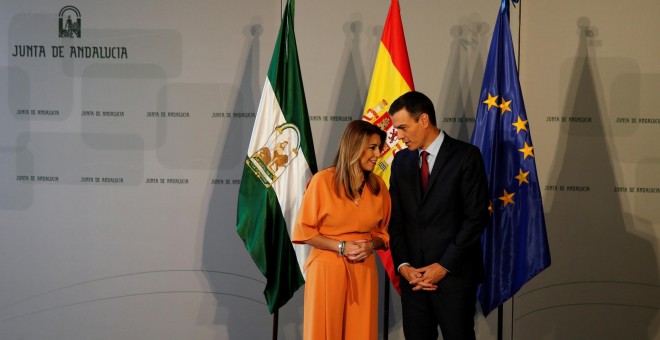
<point x="70" y="22"/>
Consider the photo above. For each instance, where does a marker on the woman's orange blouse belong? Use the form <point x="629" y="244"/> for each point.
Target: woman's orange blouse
<point x="323" y="212"/>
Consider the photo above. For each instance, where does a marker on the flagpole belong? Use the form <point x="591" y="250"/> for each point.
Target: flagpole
<point x="519" y="30"/>
<point x="276" y="316"/>
<point x="386" y="309"/>
<point x="500" y="313"/>
<point x="513" y="298"/>
<point x="518" y="67"/>
<point x="500" y="308"/>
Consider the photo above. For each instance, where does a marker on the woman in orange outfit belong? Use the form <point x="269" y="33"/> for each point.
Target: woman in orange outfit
<point x="344" y="217"/>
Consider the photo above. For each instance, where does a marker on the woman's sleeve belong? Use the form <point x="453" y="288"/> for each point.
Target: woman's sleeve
<point x="381" y="230"/>
<point x="307" y="222"/>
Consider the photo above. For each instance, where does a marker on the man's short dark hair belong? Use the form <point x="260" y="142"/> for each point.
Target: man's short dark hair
<point x="416" y="103"/>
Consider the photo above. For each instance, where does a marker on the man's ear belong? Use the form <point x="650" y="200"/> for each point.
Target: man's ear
<point x="424" y="118"/>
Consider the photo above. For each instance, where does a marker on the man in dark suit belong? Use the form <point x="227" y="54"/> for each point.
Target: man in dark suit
<point x="439" y="211"/>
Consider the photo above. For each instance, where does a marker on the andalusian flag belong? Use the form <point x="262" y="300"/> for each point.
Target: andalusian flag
<point x="391" y="78"/>
<point x="279" y="163"/>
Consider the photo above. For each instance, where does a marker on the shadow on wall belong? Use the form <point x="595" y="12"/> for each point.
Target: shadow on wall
<point x="233" y="277"/>
<point x="461" y="86"/>
<point x="603" y="282"/>
<point x="348" y="94"/>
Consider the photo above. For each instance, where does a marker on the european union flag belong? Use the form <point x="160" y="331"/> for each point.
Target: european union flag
<point x="515" y="243"/>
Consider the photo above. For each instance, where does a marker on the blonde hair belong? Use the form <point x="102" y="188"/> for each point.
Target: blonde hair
<point x="347" y="162"/>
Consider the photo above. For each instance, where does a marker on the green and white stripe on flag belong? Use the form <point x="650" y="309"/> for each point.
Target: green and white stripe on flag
<point x="279" y="163"/>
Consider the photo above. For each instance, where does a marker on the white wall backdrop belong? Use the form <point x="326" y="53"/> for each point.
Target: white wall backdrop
<point x="119" y="176"/>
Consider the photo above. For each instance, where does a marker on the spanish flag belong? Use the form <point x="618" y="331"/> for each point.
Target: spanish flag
<point x="390" y="79"/>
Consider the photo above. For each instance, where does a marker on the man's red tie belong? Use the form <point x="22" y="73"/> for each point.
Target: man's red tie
<point x="424" y="171"/>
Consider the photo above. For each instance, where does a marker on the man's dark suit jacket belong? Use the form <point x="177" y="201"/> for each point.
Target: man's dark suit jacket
<point x="443" y="224"/>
